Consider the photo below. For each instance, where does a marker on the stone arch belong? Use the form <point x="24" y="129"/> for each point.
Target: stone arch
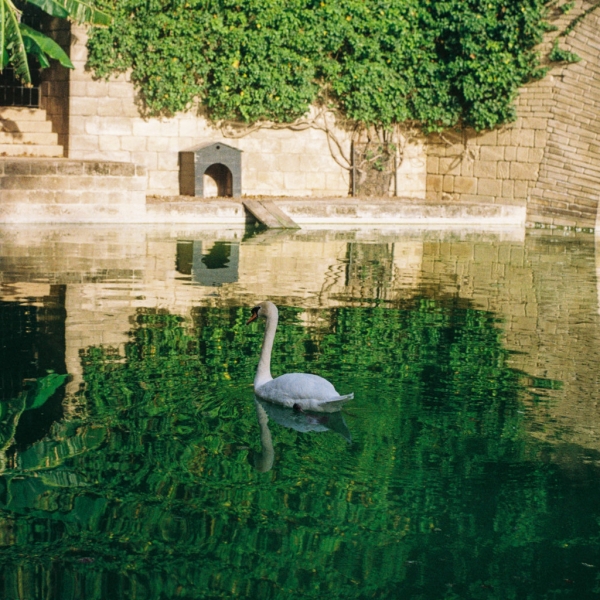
<point x="216" y="164"/>
<point x="218" y="181"/>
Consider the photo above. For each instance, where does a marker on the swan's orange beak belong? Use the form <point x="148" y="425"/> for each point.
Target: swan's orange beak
<point x="254" y="315"/>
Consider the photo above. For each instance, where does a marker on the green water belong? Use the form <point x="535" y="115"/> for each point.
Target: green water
<point x="466" y="467"/>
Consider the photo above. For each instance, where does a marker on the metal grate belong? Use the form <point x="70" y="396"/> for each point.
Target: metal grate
<point x="13" y="93"/>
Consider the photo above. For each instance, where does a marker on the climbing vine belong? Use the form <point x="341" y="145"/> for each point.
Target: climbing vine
<point x="375" y="62"/>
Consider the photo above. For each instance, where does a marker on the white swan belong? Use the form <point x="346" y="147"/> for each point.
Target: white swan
<point x="300" y="391"/>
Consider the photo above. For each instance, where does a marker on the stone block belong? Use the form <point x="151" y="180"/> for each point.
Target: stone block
<point x="122" y="169"/>
<point x="465" y="185"/>
<point x="467" y="167"/>
<point x="95" y="89"/>
<point x="534" y="123"/>
<point x="109" y="143"/>
<point x="524" y="171"/>
<point x="120" y="89"/>
<point x="133" y="144"/>
<point x="523" y="137"/>
<point x="485" y="168"/>
<point x="83" y="106"/>
<point x="489" y="138"/>
<point x="521" y="189"/>
<point x="503" y="170"/>
<point x="492" y="153"/>
<point x="433" y="165"/>
<point x="510" y="153"/>
<point x="489" y="187"/>
<point x="434" y="183"/>
<point x="522" y="154"/>
<point x="294" y="181"/>
<point x="86" y="143"/>
<point x="450" y="165"/>
<point x="448" y="183"/>
<point x="148" y="128"/>
<point x="508" y="189"/>
<point x="535" y="155"/>
<point x="504" y="137"/>
<point x="17" y="167"/>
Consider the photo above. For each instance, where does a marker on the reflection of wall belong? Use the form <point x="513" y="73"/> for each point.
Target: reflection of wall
<point x="543" y="289"/>
<point x="545" y="293"/>
<point x="211" y="264"/>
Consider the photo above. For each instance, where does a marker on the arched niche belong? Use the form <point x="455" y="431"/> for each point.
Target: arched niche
<point x="215" y="165"/>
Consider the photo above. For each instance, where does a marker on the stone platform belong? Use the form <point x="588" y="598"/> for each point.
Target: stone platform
<point x="60" y="190"/>
<point x="337" y="211"/>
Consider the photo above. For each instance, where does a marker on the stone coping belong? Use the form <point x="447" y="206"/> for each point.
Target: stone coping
<point x="67" y="167"/>
<point x="337" y="211"/>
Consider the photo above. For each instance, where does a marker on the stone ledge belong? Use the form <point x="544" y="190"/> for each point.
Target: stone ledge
<point x="336" y="211"/>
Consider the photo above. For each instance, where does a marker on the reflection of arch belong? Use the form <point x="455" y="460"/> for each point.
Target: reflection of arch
<point x="218" y="181"/>
<point x="217" y="165"/>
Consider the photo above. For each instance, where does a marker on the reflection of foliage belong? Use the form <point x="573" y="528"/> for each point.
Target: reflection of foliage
<point x="156" y="486"/>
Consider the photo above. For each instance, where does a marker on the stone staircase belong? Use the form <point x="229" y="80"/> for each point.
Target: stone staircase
<point x="27" y="132"/>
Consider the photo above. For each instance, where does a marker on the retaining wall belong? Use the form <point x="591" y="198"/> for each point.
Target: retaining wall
<point x="549" y="158"/>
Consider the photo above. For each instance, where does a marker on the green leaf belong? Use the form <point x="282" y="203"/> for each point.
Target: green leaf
<point x="13" y="41"/>
<point x="82" y="12"/>
<point x="44" y="46"/>
<point x="51" y="7"/>
<point x="43" y="389"/>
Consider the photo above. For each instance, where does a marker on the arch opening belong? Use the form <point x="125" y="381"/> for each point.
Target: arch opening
<point x="218" y="181"/>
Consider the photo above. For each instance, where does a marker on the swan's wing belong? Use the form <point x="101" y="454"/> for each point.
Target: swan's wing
<point x="310" y="392"/>
<point x="298" y="387"/>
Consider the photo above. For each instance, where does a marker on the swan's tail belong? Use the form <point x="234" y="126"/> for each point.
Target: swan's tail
<point x="336" y="403"/>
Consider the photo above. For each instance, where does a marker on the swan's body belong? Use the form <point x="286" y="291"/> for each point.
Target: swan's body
<point x="295" y="390"/>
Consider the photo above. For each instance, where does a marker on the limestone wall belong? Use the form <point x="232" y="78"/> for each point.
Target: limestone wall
<point x="54" y="97"/>
<point x="549" y="158"/>
<point x="105" y="123"/>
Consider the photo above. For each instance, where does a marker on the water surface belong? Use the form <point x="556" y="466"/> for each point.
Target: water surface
<point x="136" y="463"/>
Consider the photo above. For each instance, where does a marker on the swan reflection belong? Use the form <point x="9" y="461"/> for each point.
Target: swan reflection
<point x="303" y="421"/>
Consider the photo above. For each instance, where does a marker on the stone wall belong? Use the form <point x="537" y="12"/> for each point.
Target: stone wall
<point x="54" y="97"/>
<point x="105" y="124"/>
<point x="549" y="158"/>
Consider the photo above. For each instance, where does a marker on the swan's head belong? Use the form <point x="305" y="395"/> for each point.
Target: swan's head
<point x="263" y="309"/>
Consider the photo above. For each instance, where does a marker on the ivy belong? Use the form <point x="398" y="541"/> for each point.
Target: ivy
<point x="378" y="62"/>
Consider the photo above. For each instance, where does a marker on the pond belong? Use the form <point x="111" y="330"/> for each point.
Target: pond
<point x="135" y="461"/>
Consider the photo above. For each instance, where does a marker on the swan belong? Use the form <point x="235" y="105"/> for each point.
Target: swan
<point x="301" y="391"/>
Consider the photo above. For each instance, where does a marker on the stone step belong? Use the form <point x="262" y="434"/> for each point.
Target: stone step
<point x="14" y="113"/>
<point x="31" y="150"/>
<point x="28" y="137"/>
<point x="27" y="132"/>
<point x="25" y="126"/>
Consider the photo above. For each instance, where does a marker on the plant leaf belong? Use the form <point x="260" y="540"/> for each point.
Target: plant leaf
<point x="46" y="47"/>
<point x="82" y="12"/>
<point x="51" y="7"/>
<point x="13" y="41"/>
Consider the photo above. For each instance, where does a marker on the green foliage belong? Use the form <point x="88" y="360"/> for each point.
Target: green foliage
<point x="566" y="7"/>
<point x="559" y="55"/>
<point x="152" y="493"/>
<point x="379" y="62"/>
<point x="18" y="40"/>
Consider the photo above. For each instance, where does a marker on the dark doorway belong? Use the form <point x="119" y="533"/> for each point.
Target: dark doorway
<point x="218" y="181"/>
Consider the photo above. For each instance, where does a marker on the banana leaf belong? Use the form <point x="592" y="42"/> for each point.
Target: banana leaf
<point x="44" y="388"/>
<point x="43" y="47"/>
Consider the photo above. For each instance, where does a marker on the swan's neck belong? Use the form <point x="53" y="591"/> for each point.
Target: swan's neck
<point x="263" y="373"/>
